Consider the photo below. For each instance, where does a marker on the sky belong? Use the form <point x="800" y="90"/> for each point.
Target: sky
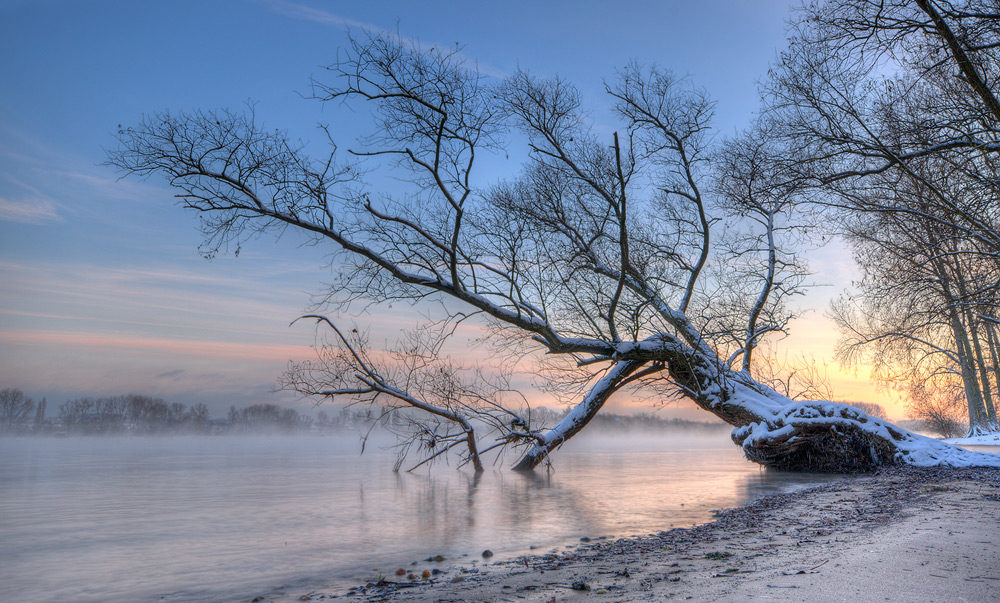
<point x="102" y="288"/>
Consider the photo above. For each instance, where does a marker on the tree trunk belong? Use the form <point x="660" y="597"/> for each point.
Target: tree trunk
<point x="776" y="431"/>
<point x="989" y="418"/>
<point x="578" y="418"/>
<point x="972" y="391"/>
<point x="991" y="340"/>
<point x="973" y="394"/>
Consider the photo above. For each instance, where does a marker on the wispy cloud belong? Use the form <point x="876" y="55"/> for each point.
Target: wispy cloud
<point x="41" y="171"/>
<point x="220" y="302"/>
<point x="308" y="13"/>
<point x="29" y="211"/>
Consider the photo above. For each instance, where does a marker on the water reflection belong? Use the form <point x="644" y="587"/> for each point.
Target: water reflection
<point x="192" y="519"/>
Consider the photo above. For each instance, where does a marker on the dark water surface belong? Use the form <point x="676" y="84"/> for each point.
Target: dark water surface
<point x="199" y="518"/>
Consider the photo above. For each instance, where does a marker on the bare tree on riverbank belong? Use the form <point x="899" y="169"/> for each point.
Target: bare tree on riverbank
<point x="600" y="253"/>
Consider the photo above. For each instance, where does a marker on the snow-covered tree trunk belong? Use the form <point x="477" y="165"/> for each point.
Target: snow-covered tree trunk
<point x="577" y="418"/>
<point x="776" y="431"/>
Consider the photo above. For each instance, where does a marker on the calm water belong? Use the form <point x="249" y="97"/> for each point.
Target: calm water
<point x="225" y="518"/>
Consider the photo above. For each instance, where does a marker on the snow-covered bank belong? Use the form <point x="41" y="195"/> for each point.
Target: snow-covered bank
<point x="903" y="534"/>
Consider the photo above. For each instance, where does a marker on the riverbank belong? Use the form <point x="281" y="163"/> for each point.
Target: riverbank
<point x="899" y="535"/>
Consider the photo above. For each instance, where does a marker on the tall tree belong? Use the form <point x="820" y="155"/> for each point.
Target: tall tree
<point x="881" y="97"/>
<point x="915" y="318"/>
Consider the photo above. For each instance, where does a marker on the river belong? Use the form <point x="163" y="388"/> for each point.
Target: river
<point x="225" y="518"/>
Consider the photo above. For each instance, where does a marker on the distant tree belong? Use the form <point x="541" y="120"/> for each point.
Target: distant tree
<point x="197" y="417"/>
<point x="263" y="418"/>
<point x="323" y="418"/>
<point x="148" y="414"/>
<point x="40" y="415"/>
<point x="79" y="414"/>
<point x="290" y="420"/>
<point x="116" y="414"/>
<point x="15" y="408"/>
<point x="872" y="408"/>
<point x="177" y="413"/>
<point x="939" y="409"/>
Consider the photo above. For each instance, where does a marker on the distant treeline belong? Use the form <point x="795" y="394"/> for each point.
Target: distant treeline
<point x="131" y="412"/>
<point x="651" y="422"/>
<point x="611" y="422"/>
<point x="140" y="414"/>
<point x="541" y="416"/>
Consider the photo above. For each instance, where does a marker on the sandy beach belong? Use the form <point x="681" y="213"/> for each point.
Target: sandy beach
<point x="899" y="535"/>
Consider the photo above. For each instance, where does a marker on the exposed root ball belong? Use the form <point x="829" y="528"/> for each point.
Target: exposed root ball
<point x="828" y="448"/>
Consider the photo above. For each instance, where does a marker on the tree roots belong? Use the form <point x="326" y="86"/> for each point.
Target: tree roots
<point x="839" y="448"/>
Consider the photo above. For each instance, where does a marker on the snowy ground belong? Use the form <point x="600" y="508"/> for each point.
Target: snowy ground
<point x="989" y="439"/>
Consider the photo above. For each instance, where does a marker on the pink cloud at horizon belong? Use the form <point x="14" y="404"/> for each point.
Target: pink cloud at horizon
<point x="157" y="345"/>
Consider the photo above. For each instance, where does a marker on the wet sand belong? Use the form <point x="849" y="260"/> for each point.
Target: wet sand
<point x="899" y="535"/>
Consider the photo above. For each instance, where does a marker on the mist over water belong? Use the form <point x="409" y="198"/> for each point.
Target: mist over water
<point x="195" y="518"/>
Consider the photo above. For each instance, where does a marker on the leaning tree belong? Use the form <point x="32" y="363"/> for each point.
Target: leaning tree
<point x="600" y="253"/>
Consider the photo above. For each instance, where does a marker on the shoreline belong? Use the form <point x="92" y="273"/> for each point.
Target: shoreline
<point x="900" y="534"/>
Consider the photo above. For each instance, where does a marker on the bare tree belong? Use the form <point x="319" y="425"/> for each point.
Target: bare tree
<point x="15" y="408"/>
<point x="599" y="253"/>
<point x="265" y="418"/>
<point x="924" y="287"/>
<point x="938" y="406"/>
<point x="890" y="107"/>
<point x="871" y="408"/>
<point x="800" y="378"/>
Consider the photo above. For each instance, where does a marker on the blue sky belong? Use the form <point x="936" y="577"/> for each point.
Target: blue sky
<point x="104" y="291"/>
